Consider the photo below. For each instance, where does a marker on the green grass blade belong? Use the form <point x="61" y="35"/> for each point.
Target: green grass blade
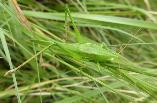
<point x="78" y="17"/>
<point x="6" y="50"/>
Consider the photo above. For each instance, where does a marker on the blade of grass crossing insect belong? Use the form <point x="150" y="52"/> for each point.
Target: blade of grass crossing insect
<point x="78" y="36"/>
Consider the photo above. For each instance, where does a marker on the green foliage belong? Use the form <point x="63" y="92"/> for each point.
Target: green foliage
<point x="78" y="51"/>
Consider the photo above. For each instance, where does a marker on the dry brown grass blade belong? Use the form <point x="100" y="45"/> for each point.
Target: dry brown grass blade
<point x="21" y="16"/>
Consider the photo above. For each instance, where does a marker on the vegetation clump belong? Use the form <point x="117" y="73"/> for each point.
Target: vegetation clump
<point x="78" y="51"/>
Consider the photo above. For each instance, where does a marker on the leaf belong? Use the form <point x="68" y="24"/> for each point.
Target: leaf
<point x="78" y="17"/>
